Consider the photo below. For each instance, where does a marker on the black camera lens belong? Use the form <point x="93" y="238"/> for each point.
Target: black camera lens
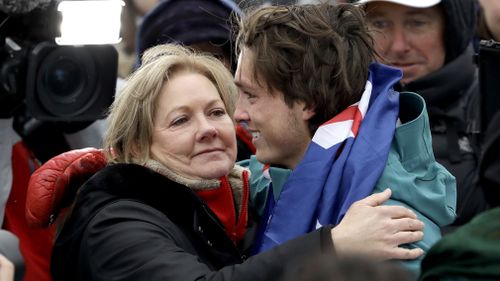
<point x="63" y="77"/>
<point x="66" y="81"/>
<point x="70" y="83"/>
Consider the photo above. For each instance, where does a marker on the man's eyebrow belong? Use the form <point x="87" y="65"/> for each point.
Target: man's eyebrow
<point x="375" y="14"/>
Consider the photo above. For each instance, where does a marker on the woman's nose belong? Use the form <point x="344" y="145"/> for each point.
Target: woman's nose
<point x="207" y="130"/>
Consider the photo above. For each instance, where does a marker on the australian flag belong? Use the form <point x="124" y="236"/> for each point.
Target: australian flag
<point x="342" y="164"/>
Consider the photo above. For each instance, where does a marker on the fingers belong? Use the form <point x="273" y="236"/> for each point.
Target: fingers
<point x="408" y="224"/>
<point x="406" y="254"/>
<point x="407" y="237"/>
<point x="376" y="199"/>
<point x="396" y="212"/>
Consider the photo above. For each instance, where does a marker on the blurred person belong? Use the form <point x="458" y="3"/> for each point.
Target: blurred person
<point x="489" y="163"/>
<point x="144" y="6"/>
<point x="171" y="204"/>
<point x="431" y="42"/>
<point x="201" y="24"/>
<point x="323" y="117"/>
<point x="132" y="14"/>
<point x="471" y="253"/>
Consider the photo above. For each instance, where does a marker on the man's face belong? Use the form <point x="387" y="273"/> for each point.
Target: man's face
<point x="408" y="38"/>
<point x="280" y="133"/>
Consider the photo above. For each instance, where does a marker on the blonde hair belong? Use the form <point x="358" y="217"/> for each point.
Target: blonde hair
<point x="130" y="120"/>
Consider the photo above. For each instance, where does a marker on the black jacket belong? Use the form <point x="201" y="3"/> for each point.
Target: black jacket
<point x="452" y="97"/>
<point x="489" y="164"/>
<point x="131" y="223"/>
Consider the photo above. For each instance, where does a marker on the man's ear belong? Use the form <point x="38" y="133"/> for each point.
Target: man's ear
<point x="308" y="112"/>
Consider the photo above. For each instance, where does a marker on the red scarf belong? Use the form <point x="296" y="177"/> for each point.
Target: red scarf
<point x="221" y="202"/>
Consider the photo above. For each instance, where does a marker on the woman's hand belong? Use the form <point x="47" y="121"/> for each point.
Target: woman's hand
<point x="369" y="228"/>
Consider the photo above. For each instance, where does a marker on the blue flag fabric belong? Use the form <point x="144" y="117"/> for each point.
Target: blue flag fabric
<point x="342" y="164"/>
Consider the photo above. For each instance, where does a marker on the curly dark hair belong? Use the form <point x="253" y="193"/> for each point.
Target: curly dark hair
<point x="316" y="54"/>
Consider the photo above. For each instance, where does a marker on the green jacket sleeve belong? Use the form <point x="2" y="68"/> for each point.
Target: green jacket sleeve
<point x="417" y="181"/>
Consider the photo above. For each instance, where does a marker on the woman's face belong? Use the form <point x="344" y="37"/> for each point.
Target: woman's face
<point x="193" y="134"/>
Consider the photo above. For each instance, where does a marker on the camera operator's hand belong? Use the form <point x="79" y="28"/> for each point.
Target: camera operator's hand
<point x="370" y="228"/>
<point x="6" y="269"/>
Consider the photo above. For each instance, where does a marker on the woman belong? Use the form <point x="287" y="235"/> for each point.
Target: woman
<point x="171" y="204"/>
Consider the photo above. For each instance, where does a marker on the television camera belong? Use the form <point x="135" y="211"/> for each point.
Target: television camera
<point x="50" y="81"/>
<point x="50" y="86"/>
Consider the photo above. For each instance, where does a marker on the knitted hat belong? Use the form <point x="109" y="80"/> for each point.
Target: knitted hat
<point x="187" y="22"/>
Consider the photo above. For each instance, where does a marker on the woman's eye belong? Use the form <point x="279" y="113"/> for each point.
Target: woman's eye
<point x="218" y="112"/>
<point x="179" y="121"/>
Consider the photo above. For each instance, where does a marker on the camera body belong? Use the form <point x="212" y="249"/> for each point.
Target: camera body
<point x="49" y="82"/>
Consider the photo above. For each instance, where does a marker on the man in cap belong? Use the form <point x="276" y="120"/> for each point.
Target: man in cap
<point x="430" y="41"/>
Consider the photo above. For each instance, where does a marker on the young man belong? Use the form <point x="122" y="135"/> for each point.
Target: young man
<point x="430" y="41"/>
<point x="299" y="67"/>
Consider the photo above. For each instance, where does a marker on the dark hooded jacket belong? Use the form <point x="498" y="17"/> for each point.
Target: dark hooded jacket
<point x="452" y="96"/>
<point x="489" y="163"/>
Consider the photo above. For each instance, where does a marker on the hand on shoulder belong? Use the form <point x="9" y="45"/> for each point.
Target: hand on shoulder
<point x="372" y="229"/>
